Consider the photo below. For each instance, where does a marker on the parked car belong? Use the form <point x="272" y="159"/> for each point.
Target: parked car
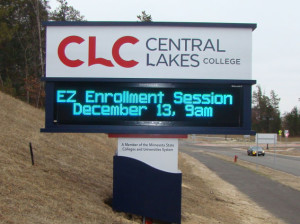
<point x="255" y="149"/>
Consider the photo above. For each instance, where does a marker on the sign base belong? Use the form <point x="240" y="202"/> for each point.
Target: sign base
<point x="143" y="190"/>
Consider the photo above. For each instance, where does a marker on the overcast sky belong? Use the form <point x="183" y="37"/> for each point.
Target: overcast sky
<point x="276" y="41"/>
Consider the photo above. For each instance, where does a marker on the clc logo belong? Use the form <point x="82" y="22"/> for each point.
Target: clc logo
<point x="92" y="60"/>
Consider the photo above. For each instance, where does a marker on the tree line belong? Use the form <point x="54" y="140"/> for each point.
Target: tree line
<point x="266" y="116"/>
<point x="22" y="61"/>
<point x="22" y="45"/>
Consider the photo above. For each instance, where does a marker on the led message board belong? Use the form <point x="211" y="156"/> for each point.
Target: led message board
<point x="148" y="104"/>
<point x="151" y="107"/>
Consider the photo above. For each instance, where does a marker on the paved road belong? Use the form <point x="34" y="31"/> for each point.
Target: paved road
<point x="288" y="164"/>
<point x="282" y="201"/>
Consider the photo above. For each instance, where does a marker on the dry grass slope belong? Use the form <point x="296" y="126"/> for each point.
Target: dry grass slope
<point x="71" y="181"/>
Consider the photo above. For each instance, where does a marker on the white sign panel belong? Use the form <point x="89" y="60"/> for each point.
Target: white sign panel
<point x="160" y="153"/>
<point x="166" y="52"/>
<point x="266" y="138"/>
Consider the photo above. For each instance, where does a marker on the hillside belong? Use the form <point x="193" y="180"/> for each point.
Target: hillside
<point x="72" y="176"/>
<point x="71" y="181"/>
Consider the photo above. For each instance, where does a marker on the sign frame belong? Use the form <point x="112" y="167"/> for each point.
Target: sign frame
<point x="244" y="80"/>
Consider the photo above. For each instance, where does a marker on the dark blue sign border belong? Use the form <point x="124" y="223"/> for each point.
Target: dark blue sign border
<point x="50" y="126"/>
<point x="168" y="24"/>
